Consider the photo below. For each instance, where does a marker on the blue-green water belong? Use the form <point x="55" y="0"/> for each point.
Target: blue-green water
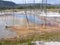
<point x="10" y="20"/>
<point x="31" y="18"/>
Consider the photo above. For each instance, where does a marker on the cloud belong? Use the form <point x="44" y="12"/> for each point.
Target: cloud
<point x="36" y="1"/>
<point x="27" y="1"/>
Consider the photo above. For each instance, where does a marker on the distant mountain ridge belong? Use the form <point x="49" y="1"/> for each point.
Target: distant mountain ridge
<point x="35" y="5"/>
<point x="39" y="5"/>
<point x="7" y="4"/>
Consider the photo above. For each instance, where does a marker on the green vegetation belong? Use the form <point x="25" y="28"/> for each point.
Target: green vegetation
<point x="38" y="7"/>
<point x="33" y="37"/>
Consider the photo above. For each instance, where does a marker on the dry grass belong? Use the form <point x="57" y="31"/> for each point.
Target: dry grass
<point x="34" y="33"/>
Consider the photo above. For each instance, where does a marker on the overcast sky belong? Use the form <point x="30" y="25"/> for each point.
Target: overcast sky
<point x="36" y="1"/>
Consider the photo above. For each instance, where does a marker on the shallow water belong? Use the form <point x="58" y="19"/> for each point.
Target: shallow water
<point x="16" y="20"/>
